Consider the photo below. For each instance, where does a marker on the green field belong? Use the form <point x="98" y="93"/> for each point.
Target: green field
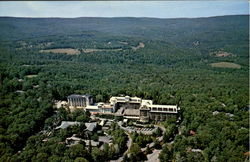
<point x="226" y="65"/>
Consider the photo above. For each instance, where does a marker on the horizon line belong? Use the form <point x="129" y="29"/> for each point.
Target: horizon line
<point x="121" y="17"/>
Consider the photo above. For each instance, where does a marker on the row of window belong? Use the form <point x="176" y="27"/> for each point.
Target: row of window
<point x="164" y="109"/>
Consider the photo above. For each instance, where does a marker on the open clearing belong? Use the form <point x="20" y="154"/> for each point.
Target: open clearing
<point x="226" y="65"/>
<point x="89" y="50"/>
<point x="221" y="54"/>
<point x="125" y="43"/>
<point x="141" y="45"/>
<point x="68" y="51"/>
<point x="31" y="76"/>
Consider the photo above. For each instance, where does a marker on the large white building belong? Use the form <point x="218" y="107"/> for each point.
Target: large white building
<point x="128" y="107"/>
<point x="144" y="110"/>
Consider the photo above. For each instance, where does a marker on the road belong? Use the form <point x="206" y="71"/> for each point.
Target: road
<point x="129" y="143"/>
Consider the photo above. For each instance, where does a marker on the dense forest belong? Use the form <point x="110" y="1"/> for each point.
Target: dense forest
<point x="200" y="64"/>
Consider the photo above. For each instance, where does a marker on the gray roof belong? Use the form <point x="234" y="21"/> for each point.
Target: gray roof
<point x="93" y="143"/>
<point x="132" y="112"/>
<point x="90" y="126"/>
<point x="66" y="124"/>
<point x="104" y="139"/>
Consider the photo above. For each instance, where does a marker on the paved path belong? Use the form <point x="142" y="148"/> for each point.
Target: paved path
<point x="129" y="143"/>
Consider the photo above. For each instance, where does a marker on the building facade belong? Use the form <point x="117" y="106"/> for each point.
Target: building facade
<point x="126" y="102"/>
<point x="157" y="112"/>
<point x="128" y="107"/>
<point x="79" y="101"/>
<point x="143" y="110"/>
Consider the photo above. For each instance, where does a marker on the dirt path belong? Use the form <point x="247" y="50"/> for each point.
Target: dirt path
<point x="141" y="45"/>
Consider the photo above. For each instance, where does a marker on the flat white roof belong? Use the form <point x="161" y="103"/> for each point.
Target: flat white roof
<point x="91" y="107"/>
<point x="165" y="112"/>
<point x="147" y="102"/>
<point x="123" y="99"/>
<point x="132" y="117"/>
<point x="163" y="106"/>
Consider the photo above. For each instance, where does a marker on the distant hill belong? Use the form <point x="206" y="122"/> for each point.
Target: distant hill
<point x="180" y="31"/>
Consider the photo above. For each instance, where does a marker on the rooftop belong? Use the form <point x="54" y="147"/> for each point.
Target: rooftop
<point x="93" y="143"/>
<point x="131" y="112"/>
<point x="104" y="139"/>
<point x="79" y="96"/>
<point x="90" y="126"/>
<point x="164" y="106"/>
<point x="66" y="124"/>
<point x="125" y="99"/>
<point x="92" y="107"/>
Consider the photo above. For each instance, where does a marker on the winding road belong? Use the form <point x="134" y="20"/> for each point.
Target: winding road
<point x="129" y="143"/>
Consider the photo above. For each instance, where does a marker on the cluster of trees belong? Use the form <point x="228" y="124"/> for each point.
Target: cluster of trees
<point x="53" y="148"/>
<point x="119" y="137"/>
<point x="135" y="154"/>
<point x="22" y="113"/>
<point x="141" y="139"/>
<point x="113" y="151"/>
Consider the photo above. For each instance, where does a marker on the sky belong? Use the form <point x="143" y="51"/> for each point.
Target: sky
<point x="158" y="9"/>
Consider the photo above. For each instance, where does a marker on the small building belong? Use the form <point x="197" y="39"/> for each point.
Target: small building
<point x="106" y="108"/>
<point x="105" y="139"/>
<point x="93" y="109"/>
<point x="70" y="141"/>
<point x="66" y="124"/>
<point x="91" y="126"/>
<point x="93" y="143"/>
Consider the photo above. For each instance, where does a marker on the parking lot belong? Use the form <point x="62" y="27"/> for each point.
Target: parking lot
<point x="140" y="130"/>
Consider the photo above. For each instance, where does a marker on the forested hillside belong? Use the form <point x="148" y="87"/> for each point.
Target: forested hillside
<point x="200" y="64"/>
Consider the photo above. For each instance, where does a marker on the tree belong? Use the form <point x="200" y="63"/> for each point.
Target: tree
<point x="135" y="153"/>
<point x="76" y="151"/>
<point x="166" y="154"/>
<point x="80" y="159"/>
<point x="96" y="154"/>
<point x="157" y="132"/>
<point x="157" y="144"/>
<point x="40" y="157"/>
